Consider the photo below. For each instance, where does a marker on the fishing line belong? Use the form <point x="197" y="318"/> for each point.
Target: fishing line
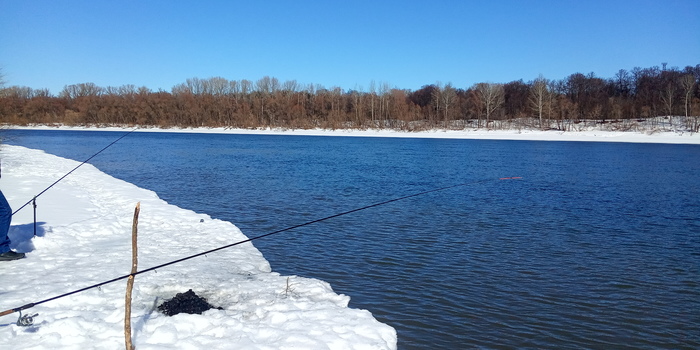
<point x="30" y="305"/>
<point x="33" y="200"/>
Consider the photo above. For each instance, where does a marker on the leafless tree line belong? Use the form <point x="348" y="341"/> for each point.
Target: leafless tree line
<point x="641" y="93"/>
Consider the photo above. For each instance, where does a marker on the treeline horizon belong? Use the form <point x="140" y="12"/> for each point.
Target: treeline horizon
<point x="638" y="94"/>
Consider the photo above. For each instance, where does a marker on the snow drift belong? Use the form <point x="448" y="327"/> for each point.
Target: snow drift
<point x="84" y="238"/>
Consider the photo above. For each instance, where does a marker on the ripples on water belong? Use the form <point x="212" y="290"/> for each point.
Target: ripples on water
<point x="597" y="247"/>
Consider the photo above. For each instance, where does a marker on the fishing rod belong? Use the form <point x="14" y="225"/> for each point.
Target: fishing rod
<point x="33" y="200"/>
<point x="30" y="305"/>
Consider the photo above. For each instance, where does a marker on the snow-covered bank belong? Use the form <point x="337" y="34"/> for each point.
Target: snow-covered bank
<point x="84" y="238"/>
<point x="591" y="135"/>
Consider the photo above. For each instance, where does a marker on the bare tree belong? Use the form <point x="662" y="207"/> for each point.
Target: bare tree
<point x="539" y="97"/>
<point x="41" y="93"/>
<point x="436" y="97"/>
<point x="81" y="90"/>
<point x="688" y="83"/>
<point x="290" y="86"/>
<point x="667" y="97"/>
<point x="447" y="97"/>
<point x="384" y="100"/>
<point x="217" y="86"/>
<point x="372" y="95"/>
<point x="491" y="95"/>
<point x="357" y="105"/>
<point x="246" y="86"/>
<point x="335" y="93"/>
<point x="623" y="83"/>
<point x="267" y="85"/>
<point x="181" y="88"/>
<point x="195" y="85"/>
<point x="443" y="98"/>
<point x="20" y="92"/>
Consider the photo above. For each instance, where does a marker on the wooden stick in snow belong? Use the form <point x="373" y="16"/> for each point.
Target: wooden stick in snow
<point x="130" y="281"/>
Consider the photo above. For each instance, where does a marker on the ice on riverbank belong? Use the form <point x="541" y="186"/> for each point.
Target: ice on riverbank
<point x="84" y="238"/>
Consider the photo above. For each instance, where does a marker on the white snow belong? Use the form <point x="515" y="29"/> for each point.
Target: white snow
<point x="84" y="238"/>
<point x="590" y="134"/>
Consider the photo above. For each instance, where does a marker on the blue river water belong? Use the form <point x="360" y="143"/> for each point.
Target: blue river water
<point x="597" y="246"/>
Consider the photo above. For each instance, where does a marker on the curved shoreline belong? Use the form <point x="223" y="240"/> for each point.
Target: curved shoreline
<point x="83" y="238"/>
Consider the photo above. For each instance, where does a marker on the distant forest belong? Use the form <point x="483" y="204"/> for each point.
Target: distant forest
<point x="618" y="103"/>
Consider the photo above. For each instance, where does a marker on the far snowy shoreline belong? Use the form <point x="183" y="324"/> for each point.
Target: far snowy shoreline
<point x="591" y="135"/>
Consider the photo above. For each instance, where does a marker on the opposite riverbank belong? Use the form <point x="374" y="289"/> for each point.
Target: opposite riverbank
<point x="589" y="135"/>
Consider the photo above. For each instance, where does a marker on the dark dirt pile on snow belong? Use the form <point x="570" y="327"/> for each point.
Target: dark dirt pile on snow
<point x="188" y="302"/>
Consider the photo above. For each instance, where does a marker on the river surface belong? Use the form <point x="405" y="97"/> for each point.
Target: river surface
<point x="597" y="246"/>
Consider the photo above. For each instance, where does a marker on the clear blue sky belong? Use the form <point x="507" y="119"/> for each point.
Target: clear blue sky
<point x="408" y="44"/>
